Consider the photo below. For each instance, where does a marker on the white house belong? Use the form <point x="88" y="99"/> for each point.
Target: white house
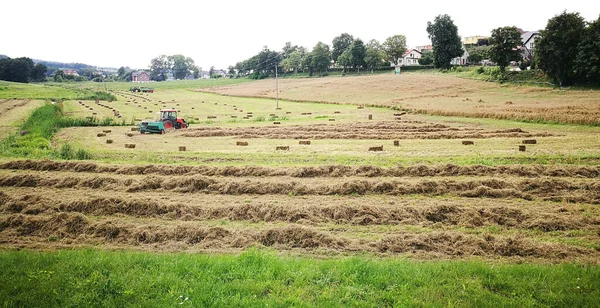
<point x="410" y="57"/>
<point x="462" y="60"/>
<point x="528" y="38"/>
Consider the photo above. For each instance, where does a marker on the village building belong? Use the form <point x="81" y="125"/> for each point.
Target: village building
<point x="140" y="76"/>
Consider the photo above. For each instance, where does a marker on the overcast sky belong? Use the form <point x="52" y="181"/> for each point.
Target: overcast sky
<point x="223" y="32"/>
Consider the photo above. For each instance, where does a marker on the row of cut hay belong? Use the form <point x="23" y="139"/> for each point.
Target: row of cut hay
<point x="592" y="119"/>
<point x="530" y="171"/>
<point x="76" y="229"/>
<point x="547" y="189"/>
<point x="509" y="216"/>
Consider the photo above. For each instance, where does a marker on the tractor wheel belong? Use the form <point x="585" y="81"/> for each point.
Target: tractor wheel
<point x="168" y="124"/>
<point x="142" y="132"/>
<point x="177" y="125"/>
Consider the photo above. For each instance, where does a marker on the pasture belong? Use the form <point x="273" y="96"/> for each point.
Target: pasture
<point x="346" y="179"/>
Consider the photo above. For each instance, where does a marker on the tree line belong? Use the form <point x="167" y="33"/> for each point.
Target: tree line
<point x="177" y="65"/>
<point x="21" y="70"/>
<point x="568" y="50"/>
<point x="346" y="52"/>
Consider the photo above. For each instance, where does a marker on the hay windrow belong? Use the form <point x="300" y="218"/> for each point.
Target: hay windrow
<point x="532" y="171"/>
<point x="378" y="131"/>
<point x="77" y="229"/>
<point x="548" y="188"/>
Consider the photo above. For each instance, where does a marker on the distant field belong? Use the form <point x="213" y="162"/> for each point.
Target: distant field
<point x="436" y="94"/>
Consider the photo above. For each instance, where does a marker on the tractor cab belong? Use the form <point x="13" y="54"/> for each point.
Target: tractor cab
<point x="170" y="119"/>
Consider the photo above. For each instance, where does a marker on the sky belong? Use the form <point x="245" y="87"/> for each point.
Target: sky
<point x="220" y="33"/>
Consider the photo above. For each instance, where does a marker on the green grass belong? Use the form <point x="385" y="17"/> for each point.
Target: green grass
<point x="34" y="91"/>
<point x="41" y="126"/>
<point x="92" y="278"/>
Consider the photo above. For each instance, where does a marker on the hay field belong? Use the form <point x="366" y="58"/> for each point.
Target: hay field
<point x="436" y="94"/>
<point x="344" y="178"/>
<point x="540" y="213"/>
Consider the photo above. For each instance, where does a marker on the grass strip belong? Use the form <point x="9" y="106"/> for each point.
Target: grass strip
<point x="93" y="278"/>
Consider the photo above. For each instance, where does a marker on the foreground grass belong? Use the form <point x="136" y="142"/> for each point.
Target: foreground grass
<point x="91" y="278"/>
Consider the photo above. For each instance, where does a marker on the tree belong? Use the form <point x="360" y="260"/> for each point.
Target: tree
<point x="556" y="50"/>
<point x="294" y="61"/>
<point x="504" y="43"/>
<point x="394" y="47"/>
<point x="288" y="49"/>
<point x="39" y="72"/>
<point x="160" y="67"/>
<point x="17" y="70"/>
<point x="340" y="44"/>
<point x="358" y="51"/>
<point x="587" y="63"/>
<point x="320" y="58"/>
<point x="445" y="41"/>
<point x="426" y="57"/>
<point x="479" y="53"/>
<point x="121" y="71"/>
<point x="345" y="59"/>
<point x="374" y="56"/>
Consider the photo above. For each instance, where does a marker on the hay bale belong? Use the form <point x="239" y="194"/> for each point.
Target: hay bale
<point x="129" y="134"/>
<point x="529" y="141"/>
<point x="138" y="119"/>
<point x="271" y="115"/>
<point x="133" y="129"/>
<point x="242" y="143"/>
<point x="396" y="143"/>
<point x="468" y="142"/>
<point x="107" y="131"/>
<point x="337" y="111"/>
<point x="361" y="107"/>
<point x="95" y="113"/>
<point x="181" y="148"/>
<point x="282" y="148"/>
<point x="233" y="116"/>
<point x="249" y="113"/>
<point x="288" y="112"/>
<point x="370" y="117"/>
<point x="522" y="148"/>
<point x="276" y="123"/>
<point x="130" y="145"/>
<point x="331" y="120"/>
<point x="305" y="142"/>
<point x="376" y="149"/>
<point x="197" y="119"/>
<point x="109" y="141"/>
<point x="101" y="135"/>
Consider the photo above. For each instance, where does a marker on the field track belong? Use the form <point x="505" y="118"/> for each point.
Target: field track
<point x="546" y="213"/>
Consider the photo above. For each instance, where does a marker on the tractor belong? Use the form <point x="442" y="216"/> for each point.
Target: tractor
<point x="168" y="119"/>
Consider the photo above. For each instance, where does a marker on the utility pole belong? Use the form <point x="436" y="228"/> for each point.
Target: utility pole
<point x="276" y="88"/>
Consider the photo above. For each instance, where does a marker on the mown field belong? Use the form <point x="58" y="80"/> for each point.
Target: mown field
<point x="437" y="94"/>
<point x="424" y="220"/>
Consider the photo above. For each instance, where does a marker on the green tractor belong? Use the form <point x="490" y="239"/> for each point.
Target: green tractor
<point x="168" y="119"/>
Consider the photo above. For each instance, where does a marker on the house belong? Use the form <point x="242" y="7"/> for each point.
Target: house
<point x="528" y="38"/>
<point x="410" y="57"/>
<point x="472" y="41"/>
<point x="140" y="76"/>
<point x="462" y="60"/>
<point x="71" y="72"/>
<point x="424" y="48"/>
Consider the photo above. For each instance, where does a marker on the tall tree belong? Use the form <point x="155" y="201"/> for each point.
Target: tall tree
<point x="160" y="67"/>
<point x="358" y="51"/>
<point x="320" y="57"/>
<point x="557" y="49"/>
<point x="426" y="57"/>
<point x="340" y="44"/>
<point x="587" y="63"/>
<point x="478" y="53"/>
<point x="504" y="43"/>
<point x="345" y="59"/>
<point x="374" y="56"/>
<point x="394" y="47"/>
<point x="443" y="34"/>
<point x="288" y="48"/>
<point x="39" y="72"/>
